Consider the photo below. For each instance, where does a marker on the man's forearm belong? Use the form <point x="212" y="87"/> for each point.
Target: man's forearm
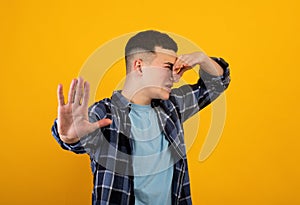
<point x="210" y="66"/>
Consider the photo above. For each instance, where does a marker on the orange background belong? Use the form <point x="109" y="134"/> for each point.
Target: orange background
<point x="44" y="43"/>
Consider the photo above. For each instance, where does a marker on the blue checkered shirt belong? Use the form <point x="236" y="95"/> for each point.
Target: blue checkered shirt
<point x="110" y="148"/>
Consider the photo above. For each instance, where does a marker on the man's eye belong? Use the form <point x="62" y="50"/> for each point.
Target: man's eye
<point x="169" y="67"/>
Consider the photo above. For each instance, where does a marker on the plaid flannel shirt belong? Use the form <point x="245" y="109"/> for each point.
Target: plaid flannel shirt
<point x="110" y="147"/>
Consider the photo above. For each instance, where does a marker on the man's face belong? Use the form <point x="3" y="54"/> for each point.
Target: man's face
<point x="157" y="75"/>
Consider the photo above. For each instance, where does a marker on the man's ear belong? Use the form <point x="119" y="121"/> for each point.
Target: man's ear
<point x="137" y="65"/>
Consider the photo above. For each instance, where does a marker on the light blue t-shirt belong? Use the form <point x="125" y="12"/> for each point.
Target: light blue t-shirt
<point x="152" y="161"/>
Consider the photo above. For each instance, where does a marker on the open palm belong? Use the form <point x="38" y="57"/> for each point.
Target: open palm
<point x="73" y="122"/>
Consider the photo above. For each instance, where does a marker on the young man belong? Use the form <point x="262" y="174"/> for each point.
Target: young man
<point x="135" y="138"/>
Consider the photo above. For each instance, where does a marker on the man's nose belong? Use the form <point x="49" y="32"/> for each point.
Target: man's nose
<point x="172" y="77"/>
<point x="175" y="77"/>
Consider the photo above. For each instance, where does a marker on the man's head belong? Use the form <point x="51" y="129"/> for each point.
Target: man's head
<point x="143" y="45"/>
<point x="150" y="56"/>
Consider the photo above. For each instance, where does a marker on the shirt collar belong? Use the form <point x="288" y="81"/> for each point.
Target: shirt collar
<point x="119" y="100"/>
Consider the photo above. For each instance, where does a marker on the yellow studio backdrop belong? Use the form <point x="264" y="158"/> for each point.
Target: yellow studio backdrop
<point x="44" y="43"/>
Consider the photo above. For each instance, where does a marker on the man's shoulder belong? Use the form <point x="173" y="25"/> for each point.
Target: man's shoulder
<point x="100" y="103"/>
<point x="115" y="101"/>
<point x="168" y="105"/>
<point x="100" y="108"/>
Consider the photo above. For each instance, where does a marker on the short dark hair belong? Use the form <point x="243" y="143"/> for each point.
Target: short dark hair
<point x="146" y="41"/>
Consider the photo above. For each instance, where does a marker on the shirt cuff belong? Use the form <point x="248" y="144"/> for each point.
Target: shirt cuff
<point x="73" y="146"/>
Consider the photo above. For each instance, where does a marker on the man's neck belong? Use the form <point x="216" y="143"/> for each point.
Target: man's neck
<point x="133" y="90"/>
<point x="136" y="97"/>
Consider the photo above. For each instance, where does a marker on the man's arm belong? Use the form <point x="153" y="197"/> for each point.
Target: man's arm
<point x="214" y="79"/>
<point x="188" y="61"/>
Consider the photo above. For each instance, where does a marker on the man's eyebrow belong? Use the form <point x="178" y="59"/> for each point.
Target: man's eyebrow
<point x="169" y="63"/>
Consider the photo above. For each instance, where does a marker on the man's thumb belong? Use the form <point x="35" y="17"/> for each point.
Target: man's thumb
<point x="104" y="122"/>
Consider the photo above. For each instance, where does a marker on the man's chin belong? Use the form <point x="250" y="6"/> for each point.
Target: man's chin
<point x="164" y="95"/>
